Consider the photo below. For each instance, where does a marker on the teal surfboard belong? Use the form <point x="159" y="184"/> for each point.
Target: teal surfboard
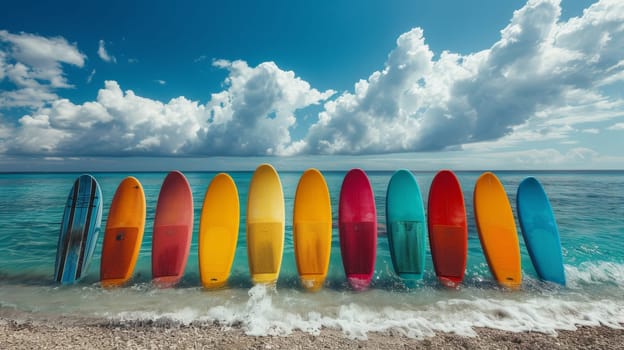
<point x="79" y="230"/>
<point x="406" y="225"/>
<point x="540" y="231"/>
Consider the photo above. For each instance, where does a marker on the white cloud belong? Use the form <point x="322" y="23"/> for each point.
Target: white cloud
<point x="539" y="66"/>
<point x="160" y="82"/>
<point x="118" y="122"/>
<point x="3" y="65"/>
<point x="104" y="55"/>
<point x="90" y="77"/>
<point x="200" y="59"/>
<point x="617" y="126"/>
<point x="251" y="117"/>
<point x="36" y="136"/>
<point x="542" y="158"/>
<point x="33" y="65"/>
<point x="254" y="115"/>
<point x="40" y="52"/>
<point x="581" y="106"/>
<point x="35" y="96"/>
<point x="38" y="59"/>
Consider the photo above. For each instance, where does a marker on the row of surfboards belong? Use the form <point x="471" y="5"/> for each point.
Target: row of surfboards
<point x="407" y="229"/>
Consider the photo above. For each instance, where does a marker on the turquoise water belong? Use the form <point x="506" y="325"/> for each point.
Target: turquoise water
<point x="588" y="206"/>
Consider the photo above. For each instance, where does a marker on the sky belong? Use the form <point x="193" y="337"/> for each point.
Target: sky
<point x="227" y="85"/>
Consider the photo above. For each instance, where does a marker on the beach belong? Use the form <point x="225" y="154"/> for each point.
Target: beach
<point x="39" y="332"/>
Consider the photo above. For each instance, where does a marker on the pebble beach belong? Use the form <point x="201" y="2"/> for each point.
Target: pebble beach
<point x="38" y="332"/>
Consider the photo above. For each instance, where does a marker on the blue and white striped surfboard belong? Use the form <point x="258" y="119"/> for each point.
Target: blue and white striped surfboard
<point x="79" y="231"/>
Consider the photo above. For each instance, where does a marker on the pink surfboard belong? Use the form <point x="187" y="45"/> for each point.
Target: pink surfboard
<point x="357" y="221"/>
<point x="173" y="229"/>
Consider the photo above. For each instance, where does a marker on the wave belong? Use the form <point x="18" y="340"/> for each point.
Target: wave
<point x="261" y="316"/>
<point x="595" y="273"/>
<point x="592" y="297"/>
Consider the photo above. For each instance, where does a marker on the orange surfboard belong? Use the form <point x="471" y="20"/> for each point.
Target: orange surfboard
<point x="497" y="230"/>
<point x="123" y="234"/>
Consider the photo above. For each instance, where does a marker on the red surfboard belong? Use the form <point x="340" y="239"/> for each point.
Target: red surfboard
<point x="173" y="229"/>
<point x="357" y="221"/>
<point x="448" y="229"/>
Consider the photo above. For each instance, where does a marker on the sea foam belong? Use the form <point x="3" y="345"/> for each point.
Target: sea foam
<point x="595" y="273"/>
<point x="262" y="316"/>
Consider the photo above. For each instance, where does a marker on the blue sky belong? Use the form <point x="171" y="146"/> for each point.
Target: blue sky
<point x="226" y="85"/>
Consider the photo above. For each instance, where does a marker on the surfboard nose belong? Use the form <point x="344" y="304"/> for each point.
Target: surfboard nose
<point x="313" y="283"/>
<point x="359" y="284"/>
<point x="450" y="282"/>
<point x="215" y="283"/>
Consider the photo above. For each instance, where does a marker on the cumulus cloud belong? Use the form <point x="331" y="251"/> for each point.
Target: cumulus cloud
<point x="104" y="55"/>
<point x="30" y="60"/>
<point x="251" y="117"/>
<point x="33" y="65"/>
<point x="255" y="114"/>
<point x="26" y="97"/>
<point x="418" y="103"/>
<point x="117" y="122"/>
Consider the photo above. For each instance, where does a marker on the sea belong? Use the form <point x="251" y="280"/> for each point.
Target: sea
<point x="588" y="207"/>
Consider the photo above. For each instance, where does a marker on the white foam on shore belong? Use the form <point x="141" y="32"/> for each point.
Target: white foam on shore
<point x="593" y="297"/>
<point x="260" y="316"/>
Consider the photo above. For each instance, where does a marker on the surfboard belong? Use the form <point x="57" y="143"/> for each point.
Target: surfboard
<point x="173" y="229"/>
<point x="406" y="225"/>
<point x="218" y="231"/>
<point x="265" y="225"/>
<point x="312" y="229"/>
<point x="123" y="234"/>
<point x="79" y="230"/>
<point x="357" y="223"/>
<point x="448" y="228"/>
<point x="497" y="230"/>
<point x="540" y="232"/>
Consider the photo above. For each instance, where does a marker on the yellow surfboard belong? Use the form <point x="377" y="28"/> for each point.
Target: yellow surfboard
<point x="265" y="225"/>
<point x="497" y="230"/>
<point x="312" y="234"/>
<point x="123" y="234"/>
<point x="218" y="231"/>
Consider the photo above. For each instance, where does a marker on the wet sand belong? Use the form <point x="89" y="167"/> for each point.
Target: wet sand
<point x="67" y="333"/>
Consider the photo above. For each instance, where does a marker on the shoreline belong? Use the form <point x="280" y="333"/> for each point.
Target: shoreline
<point x="28" y="331"/>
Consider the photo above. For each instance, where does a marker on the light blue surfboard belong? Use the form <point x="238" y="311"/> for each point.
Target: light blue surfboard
<point x="540" y="231"/>
<point x="79" y="231"/>
<point x="406" y="225"/>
